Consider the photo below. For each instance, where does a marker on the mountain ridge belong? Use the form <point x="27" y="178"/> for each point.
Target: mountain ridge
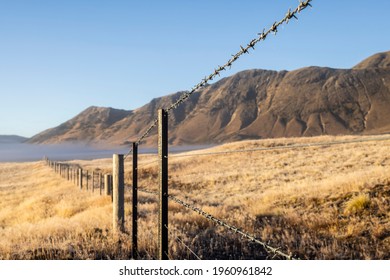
<point x="12" y="139"/>
<point x="252" y="104"/>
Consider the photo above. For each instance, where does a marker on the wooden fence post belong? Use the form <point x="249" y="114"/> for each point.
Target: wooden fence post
<point x="86" y="179"/>
<point x="135" y="201"/>
<point x="93" y="181"/>
<point x="107" y="184"/>
<point x="118" y="194"/>
<point x="163" y="184"/>
<point x="80" y="178"/>
<point x="100" y="183"/>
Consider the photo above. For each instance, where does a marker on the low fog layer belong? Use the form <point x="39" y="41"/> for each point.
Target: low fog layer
<point x="25" y="152"/>
<point x="19" y="152"/>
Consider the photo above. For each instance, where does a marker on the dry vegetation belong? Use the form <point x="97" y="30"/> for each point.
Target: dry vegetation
<point x="320" y="202"/>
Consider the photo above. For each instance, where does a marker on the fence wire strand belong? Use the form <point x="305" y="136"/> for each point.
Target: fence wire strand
<point x="217" y="71"/>
<point x="182" y="242"/>
<point x="286" y="147"/>
<point x="269" y="249"/>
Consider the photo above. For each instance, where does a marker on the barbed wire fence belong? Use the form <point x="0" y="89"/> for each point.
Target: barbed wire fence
<point x="163" y="194"/>
<point x="117" y="180"/>
<point x="74" y="172"/>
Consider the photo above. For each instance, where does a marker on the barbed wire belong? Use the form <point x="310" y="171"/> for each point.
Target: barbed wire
<point x="217" y="71"/>
<point x="268" y="248"/>
<point x="243" y="50"/>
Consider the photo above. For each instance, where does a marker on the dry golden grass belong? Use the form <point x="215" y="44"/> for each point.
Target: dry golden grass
<point x="319" y="202"/>
<point x="43" y="216"/>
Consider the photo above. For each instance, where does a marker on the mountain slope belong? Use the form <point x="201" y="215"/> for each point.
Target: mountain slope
<point x="255" y="104"/>
<point x="87" y="126"/>
<point x="379" y="60"/>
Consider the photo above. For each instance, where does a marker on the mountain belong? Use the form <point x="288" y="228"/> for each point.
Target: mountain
<point x="12" y="139"/>
<point x="86" y="127"/>
<point x="252" y="104"/>
<point x="379" y="60"/>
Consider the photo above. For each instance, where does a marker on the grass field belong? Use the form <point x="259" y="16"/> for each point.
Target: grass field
<point x="317" y="202"/>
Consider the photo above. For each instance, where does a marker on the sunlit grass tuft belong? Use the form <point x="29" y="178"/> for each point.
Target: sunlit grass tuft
<point x="357" y="204"/>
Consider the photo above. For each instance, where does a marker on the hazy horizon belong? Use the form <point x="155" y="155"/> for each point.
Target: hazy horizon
<point x="23" y="152"/>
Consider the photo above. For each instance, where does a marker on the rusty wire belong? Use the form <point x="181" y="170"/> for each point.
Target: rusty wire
<point x="217" y="71"/>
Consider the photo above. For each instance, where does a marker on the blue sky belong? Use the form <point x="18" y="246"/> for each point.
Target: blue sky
<point x="59" y="57"/>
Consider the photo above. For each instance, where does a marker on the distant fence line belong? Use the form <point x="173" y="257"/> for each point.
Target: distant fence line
<point x="84" y="179"/>
<point x="95" y="181"/>
<point x="115" y="184"/>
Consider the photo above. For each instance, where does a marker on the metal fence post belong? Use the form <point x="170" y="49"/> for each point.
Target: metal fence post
<point x="100" y="183"/>
<point x="118" y="194"/>
<point x="163" y="184"/>
<point x="135" y="201"/>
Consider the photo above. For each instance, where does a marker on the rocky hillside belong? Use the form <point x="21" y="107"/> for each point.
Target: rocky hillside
<point x="253" y="104"/>
<point x="86" y="127"/>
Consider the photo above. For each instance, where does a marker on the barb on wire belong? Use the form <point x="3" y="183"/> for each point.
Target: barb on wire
<point x="243" y="50"/>
<point x="268" y="248"/>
